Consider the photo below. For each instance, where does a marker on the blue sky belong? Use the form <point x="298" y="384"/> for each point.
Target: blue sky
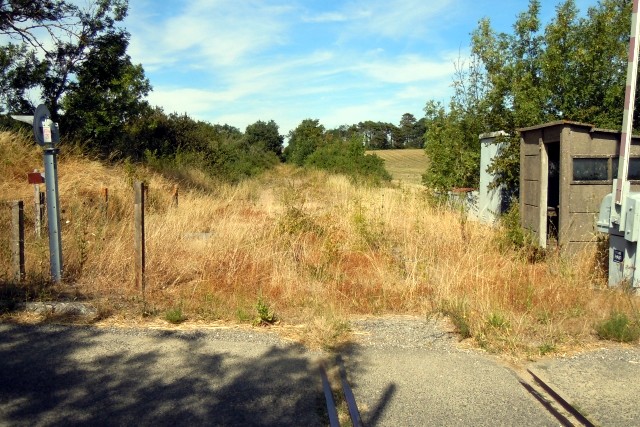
<point x="342" y="62"/>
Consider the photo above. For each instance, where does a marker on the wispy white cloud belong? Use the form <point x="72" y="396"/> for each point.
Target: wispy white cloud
<point x="239" y="62"/>
<point x="325" y="17"/>
<point x="195" y="102"/>
<point x="214" y="32"/>
<point x="395" y="18"/>
<point x="408" y="69"/>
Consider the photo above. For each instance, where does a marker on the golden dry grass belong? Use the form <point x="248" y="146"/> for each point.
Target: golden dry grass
<point x="312" y="247"/>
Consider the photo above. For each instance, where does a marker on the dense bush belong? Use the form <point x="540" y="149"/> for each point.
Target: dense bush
<point x="349" y="158"/>
<point x="227" y="161"/>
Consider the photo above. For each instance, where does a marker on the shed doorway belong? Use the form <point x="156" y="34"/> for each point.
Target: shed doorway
<point x="553" y="193"/>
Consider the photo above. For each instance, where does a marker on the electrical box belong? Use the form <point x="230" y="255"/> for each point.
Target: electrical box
<point x="622" y="223"/>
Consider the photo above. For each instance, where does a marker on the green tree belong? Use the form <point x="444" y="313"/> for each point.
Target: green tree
<point x="410" y="132"/>
<point x="561" y="64"/>
<point x="20" y="71"/>
<point x="304" y="140"/>
<point x="601" y="63"/>
<point x="516" y="95"/>
<point x="454" y="155"/>
<point x="451" y="139"/>
<point x="93" y="24"/>
<point x="342" y="132"/>
<point x="21" y="19"/>
<point x="264" y="136"/>
<point x="419" y="130"/>
<point x="106" y="94"/>
<point x="377" y="135"/>
<point x="73" y="33"/>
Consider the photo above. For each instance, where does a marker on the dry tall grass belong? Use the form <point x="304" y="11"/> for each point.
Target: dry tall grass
<point x="312" y="248"/>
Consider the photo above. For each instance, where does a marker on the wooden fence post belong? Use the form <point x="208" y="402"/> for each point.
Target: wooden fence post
<point x="17" y="240"/>
<point x="139" y="191"/>
<point x="105" y="201"/>
<point x="174" y="198"/>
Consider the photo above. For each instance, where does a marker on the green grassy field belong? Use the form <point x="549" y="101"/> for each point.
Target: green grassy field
<point x="405" y="165"/>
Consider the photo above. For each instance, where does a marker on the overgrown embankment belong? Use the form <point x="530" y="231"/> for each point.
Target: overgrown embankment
<point x="306" y="249"/>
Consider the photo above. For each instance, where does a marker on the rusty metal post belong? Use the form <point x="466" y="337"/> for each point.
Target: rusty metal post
<point x="39" y="207"/>
<point x="139" y="192"/>
<point x="17" y="240"/>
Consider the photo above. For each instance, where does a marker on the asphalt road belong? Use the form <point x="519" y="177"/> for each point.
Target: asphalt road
<point x="408" y="372"/>
<point x="403" y="372"/>
<point x="56" y="375"/>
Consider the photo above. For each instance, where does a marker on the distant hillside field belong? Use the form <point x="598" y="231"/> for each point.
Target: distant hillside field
<point x="405" y="165"/>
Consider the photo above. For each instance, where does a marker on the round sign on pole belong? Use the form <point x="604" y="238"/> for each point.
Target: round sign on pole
<point x="41" y="113"/>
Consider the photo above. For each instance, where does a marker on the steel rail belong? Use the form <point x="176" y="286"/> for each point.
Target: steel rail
<point x="328" y="396"/>
<point x="347" y="393"/>
<point x="561" y="400"/>
<point x="552" y="400"/>
<point x="354" y="413"/>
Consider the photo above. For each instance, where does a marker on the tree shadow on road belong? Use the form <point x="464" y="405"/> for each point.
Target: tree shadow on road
<point x="371" y="407"/>
<point x="89" y="376"/>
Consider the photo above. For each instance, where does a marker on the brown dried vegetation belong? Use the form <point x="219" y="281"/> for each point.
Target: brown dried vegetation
<point x="310" y="248"/>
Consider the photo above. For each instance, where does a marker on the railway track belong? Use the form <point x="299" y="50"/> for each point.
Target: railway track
<point x="345" y="393"/>
<point x="552" y="400"/>
<point x="532" y="380"/>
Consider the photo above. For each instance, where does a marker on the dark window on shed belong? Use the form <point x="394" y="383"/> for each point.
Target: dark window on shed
<point x="590" y="169"/>
<point x="634" y="168"/>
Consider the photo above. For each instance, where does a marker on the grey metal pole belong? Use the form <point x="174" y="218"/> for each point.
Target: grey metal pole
<point x="53" y="212"/>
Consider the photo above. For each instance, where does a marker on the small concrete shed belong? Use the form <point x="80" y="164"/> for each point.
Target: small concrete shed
<point x="491" y="202"/>
<point x="566" y="169"/>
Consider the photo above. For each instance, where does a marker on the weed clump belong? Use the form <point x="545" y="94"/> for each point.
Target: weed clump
<point x="618" y="327"/>
<point x="175" y="316"/>
<point x="514" y="237"/>
<point x="266" y="315"/>
<point x="458" y="313"/>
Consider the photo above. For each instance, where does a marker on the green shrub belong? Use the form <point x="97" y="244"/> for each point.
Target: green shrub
<point x="498" y="321"/>
<point x="175" y="315"/>
<point x="296" y="221"/>
<point x="349" y="158"/>
<point x="266" y="315"/>
<point x="225" y="161"/>
<point x="546" y="348"/>
<point x="618" y="327"/>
